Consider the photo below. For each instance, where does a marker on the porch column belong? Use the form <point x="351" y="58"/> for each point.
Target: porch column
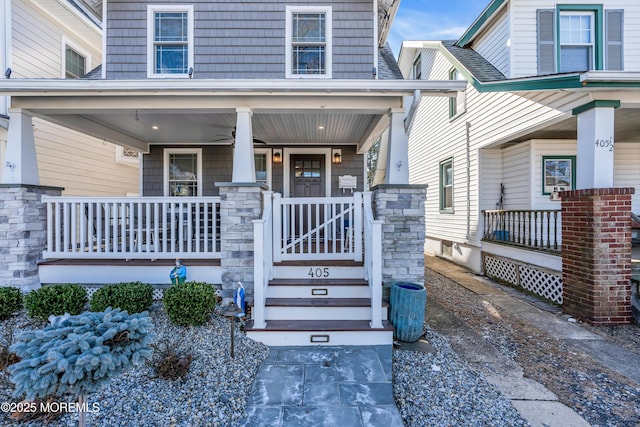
<point x="23" y="233"/>
<point x="596" y="254"/>
<point x="240" y="204"/>
<point x="244" y="169"/>
<point x="20" y="166"/>
<point x="401" y="207"/>
<point x="595" y="144"/>
<point x="397" y="150"/>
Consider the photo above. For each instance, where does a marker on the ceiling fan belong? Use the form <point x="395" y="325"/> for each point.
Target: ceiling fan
<point x="232" y="138"/>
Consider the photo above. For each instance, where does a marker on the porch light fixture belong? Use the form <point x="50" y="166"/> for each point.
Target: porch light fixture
<point x="277" y="155"/>
<point x="155" y="127"/>
<point x="336" y="155"/>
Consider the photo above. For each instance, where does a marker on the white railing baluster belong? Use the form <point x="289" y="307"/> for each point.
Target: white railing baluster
<point x="356" y="230"/>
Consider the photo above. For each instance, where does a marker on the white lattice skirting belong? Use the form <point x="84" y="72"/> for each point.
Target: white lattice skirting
<point x="158" y="293"/>
<point x="545" y="283"/>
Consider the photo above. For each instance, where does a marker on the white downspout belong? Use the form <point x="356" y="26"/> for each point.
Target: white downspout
<point x="5" y="49"/>
<point x="468" y="150"/>
<point x="413" y="109"/>
<point x="375" y="39"/>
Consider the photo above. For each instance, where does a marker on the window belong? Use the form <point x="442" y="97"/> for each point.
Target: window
<point x="417" y="68"/>
<point x="262" y="158"/>
<point x="169" y="40"/>
<point x="183" y="172"/>
<point x="558" y="173"/>
<point x="576" y="41"/>
<point x="457" y="104"/>
<point x="75" y="64"/>
<point x="308" y="32"/>
<point x="446" y="186"/>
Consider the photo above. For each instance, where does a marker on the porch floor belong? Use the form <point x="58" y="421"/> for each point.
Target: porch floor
<point x="130" y="262"/>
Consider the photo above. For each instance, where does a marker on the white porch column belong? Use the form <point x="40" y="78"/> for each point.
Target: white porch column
<point x="595" y="144"/>
<point x="397" y="150"/>
<point x="20" y="165"/>
<point x="244" y="169"/>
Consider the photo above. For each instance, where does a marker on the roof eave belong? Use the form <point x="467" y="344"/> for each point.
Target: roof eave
<point x="481" y="22"/>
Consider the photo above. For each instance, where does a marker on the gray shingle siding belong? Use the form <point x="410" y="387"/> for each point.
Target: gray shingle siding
<point x="240" y="39"/>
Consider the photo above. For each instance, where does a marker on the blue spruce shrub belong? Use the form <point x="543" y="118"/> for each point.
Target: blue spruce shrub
<point x="55" y="300"/>
<point x="190" y="303"/>
<point x="132" y="297"/>
<point x="10" y="302"/>
<point x="78" y="353"/>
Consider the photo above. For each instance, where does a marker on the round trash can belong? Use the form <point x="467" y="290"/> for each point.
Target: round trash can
<point x="408" y="301"/>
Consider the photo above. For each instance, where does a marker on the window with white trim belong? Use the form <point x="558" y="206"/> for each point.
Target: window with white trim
<point x="75" y="63"/>
<point x="457" y="104"/>
<point x="262" y="158"/>
<point x="183" y="172"/>
<point x="417" y="68"/>
<point x="308" y="41"/>
<point x="169" y="40"/>
<point x="576" y="41"/>
<point x="446" y="186"/>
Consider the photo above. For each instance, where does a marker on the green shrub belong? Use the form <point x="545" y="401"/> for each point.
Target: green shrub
<point x="10" y="302"/>
<point x="134" y="297"/>
<point x="189" y="303"/>
<point x="56" y="299"/>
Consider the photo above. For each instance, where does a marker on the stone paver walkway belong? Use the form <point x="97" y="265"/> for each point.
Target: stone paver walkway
<point x="324" y="386"/>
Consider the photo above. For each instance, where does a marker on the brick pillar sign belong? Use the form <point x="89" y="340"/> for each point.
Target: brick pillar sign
<point x="401" y="207"/>
<point x="596" y="254"/>
<point x="23" y="233"/>
<point x="240" y="204"/>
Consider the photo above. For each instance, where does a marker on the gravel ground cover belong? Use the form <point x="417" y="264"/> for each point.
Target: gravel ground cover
<point x="599" y="395"/>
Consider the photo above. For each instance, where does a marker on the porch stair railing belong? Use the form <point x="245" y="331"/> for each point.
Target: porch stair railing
<point x="532" y="229"/>
<point x="263" y="259"/>
<point x="132" y="227"/>
<point x="317" y="228"/>
<point x="373" y="260"/>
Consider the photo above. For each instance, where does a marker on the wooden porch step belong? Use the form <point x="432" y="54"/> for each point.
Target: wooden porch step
<point x="319" y="326"/>
<point x="320" y="263"/>
<point x="318" y="302"/>
<point x="318" y="282"/>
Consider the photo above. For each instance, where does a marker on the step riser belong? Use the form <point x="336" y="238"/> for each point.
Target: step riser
<point x="317" y="272"/>
<point x="320" y="313"/>
<point x="275" y="291"/>
<point x="302" y="338"/>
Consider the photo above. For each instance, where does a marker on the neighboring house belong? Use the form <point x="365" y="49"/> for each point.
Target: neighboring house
<point x="62" y="39"/>
<point x="551" y="105"/>
<point x="226" y="100"/>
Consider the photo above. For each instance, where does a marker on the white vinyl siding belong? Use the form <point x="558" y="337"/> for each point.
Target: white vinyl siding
<point x="494" y="45"/>
<point x="517" y="182"/>
<point x="626" y="172"/>
<point x="524" y="36"/>
<point x="544" y="148"/>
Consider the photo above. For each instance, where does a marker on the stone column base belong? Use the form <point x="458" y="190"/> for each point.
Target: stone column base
<point x="23" y="233"/>
<point x="596" y="254"/>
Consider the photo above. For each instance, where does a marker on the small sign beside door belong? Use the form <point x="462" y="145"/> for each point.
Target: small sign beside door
<point x="347" y="182"/>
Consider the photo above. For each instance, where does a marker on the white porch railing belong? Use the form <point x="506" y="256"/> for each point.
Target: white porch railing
<point x="317" y="228"/>
<point x="373" y="260"/>
<point x="132" y="227"/>
<point x="263" y="260"/>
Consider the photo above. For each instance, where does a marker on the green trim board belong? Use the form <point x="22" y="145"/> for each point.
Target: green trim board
<point x="598" y="40"/>
<point x="570" y="158"/>
<point x="486" y="14"/>
<point x="595" y="104"/>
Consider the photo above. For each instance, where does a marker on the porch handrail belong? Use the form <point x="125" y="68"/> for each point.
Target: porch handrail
<point x="263" y="260"/>
<point x="132" y="227"/>
<point x="373" y="260"/>
<point x="538" y="229"/>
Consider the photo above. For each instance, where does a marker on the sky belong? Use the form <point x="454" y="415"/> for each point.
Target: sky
<point x="433" y="20"/>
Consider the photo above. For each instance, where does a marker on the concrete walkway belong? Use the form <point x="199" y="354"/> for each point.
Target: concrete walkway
<point x="536" y="403"/>
<point x="324" y="386"/>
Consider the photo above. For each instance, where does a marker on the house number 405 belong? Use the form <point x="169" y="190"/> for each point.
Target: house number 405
<point x="319" y="272"/>
<point x="605" y="143"/>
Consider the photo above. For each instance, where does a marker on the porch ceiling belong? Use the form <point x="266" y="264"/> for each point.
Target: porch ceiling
<point x="626" y="122"/>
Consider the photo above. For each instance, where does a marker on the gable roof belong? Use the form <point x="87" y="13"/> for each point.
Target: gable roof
<point x="481" y="21"/>
<point x="475" y="63"/>
<point x="387" y="66"/>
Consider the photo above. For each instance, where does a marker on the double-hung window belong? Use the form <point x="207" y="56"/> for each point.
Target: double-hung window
<point x="169" y="40"/>
<point x="577" y="33"/>
<point x="183" y="172"/>
<point x="446" y="186"/>
<point x="457" y="104"/>
<point x="75" y="63"/>
<point x="308" y="34"/>
<point x="262" y="159"/>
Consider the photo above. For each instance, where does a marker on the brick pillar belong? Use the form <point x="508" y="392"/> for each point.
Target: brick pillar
<point x="23" y="233"/>
<point x="240" y="204"/>
<point x="401" y="206"/>
<point x="596" y="254"/>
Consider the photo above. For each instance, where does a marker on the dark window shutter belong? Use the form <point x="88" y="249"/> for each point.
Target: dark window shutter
<point x="614" y="23"/>
<point x="546" y="41"/>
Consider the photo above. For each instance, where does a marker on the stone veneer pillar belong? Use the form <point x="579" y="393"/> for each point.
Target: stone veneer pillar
<point x="596" y="254"/>
<point x="240" y="204"/>
<point x="23" y="233"/>
<point x="401" y="207"/>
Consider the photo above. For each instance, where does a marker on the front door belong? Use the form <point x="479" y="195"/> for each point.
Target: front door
<point x="307" y="175"/>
